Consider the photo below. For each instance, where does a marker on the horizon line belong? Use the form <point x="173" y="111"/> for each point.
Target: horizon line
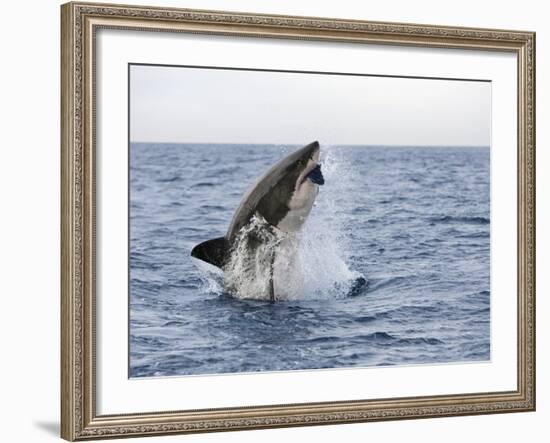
<point x="303" y="144"/>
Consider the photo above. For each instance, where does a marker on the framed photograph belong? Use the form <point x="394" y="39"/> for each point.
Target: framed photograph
<point x="283" y="221"/>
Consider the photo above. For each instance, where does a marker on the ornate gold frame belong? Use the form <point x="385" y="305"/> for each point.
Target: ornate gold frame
<point x="79" y="21"/>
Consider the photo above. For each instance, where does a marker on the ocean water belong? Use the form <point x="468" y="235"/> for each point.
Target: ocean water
<point x="413" y="222"/>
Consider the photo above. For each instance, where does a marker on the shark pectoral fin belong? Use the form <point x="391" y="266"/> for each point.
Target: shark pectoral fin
<point x="212" y="251"/>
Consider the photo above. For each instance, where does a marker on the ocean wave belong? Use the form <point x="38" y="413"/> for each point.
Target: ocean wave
<point x="474" y="235"/>
<point x="169" y="179"/>
<point x="377" y="284"/>
<point x="420" y="341"/>
<point x="454" y="219"/>
<point x="378" y="336"/>
<point x="365" y="319"/>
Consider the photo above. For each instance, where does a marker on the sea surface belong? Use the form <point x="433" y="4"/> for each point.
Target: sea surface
<point x="410" y="223"/>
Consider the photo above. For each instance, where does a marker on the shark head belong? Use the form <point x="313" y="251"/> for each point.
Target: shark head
<point x="283" y="195"/>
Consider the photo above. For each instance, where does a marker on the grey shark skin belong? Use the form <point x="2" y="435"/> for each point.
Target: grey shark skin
<point x="260" y="245"/>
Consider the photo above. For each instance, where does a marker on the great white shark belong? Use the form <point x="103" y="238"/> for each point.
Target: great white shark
<point x="259" y="252"/>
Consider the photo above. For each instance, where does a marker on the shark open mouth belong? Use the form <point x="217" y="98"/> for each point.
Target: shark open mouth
<point x="316" y="176"/>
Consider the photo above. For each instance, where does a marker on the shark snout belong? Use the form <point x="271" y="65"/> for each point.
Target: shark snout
<point x="315" y="153"/>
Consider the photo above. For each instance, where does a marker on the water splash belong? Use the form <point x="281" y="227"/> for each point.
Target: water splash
<point x="325" y="249"/>
<point x="211" y="278"/>
<point x="248" y="273"/>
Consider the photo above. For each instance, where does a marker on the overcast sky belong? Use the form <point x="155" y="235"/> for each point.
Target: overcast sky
<point x="190" y="105"/>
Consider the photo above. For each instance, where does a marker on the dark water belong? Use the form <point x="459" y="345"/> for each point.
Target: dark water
<point x="413" y="221"/>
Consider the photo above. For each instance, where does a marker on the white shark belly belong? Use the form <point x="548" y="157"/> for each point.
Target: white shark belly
<point x="299" y="207"/>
